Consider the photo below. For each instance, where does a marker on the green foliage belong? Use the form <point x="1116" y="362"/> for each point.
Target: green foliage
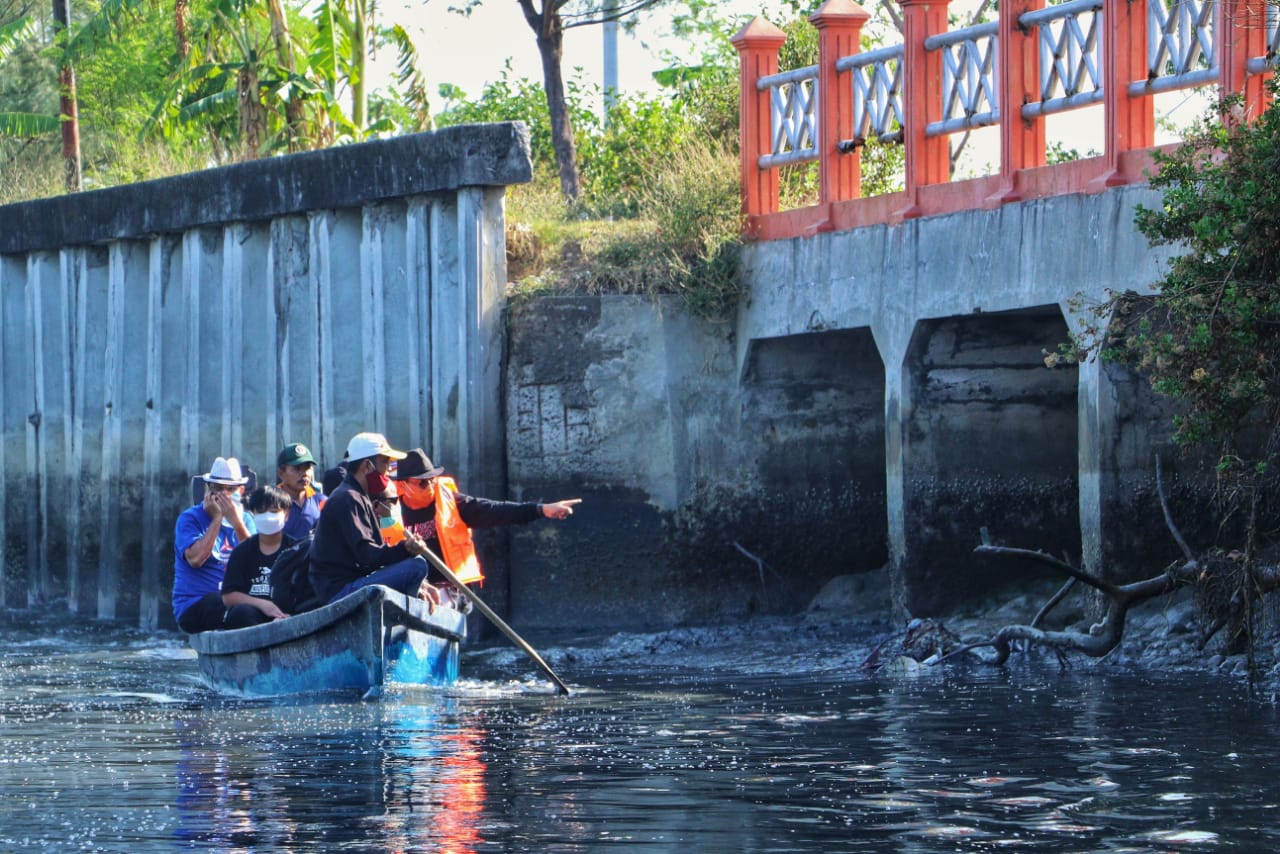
<point x="683" y="241"/>
<point x="511" y="100"/>
<point x="1211" y="339"/>
<point x="616" y="159"/>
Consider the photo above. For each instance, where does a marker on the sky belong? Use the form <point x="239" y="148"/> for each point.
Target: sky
<point x="469" y="52"/>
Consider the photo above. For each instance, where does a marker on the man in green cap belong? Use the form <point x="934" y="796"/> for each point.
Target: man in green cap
<point x="294" y="469"/>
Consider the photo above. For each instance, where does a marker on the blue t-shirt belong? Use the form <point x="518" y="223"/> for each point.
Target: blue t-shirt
<point x="302" y="517"/>
<point x="192" y="582"/>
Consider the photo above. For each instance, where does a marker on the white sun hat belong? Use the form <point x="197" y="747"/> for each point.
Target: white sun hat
<point x="225" y="471"/>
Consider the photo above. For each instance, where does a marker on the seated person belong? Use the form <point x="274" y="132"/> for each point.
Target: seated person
<point x="295" y="471"/>
<point x="387" y="506"/>
<point x="246" y="587"/>
<point x="203" y="538"/>
<point x="433" y="509"/>
<point x="348" y="551"/>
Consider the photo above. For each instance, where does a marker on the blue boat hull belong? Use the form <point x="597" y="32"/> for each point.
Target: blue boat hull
<point x="358" y="644"/>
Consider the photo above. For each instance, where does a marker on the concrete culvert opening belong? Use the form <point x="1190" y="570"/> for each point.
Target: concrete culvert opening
<point x="813" y="432"/>
<point x="989" y="440"/>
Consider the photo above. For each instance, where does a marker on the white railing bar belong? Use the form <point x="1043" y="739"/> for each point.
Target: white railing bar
<point x="801" y="156"/>
<point x="954" y="37"/>
<point x="1061" y="105"/>
<point x="809" y="72"/>
<point x="1171" y="83"/>
<point x="977" y="120"/>
<point x="870" y="57"/>
<point x="1062" y="10"/>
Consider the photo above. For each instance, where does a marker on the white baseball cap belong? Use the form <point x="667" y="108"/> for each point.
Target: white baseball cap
<point x="363" y="445"/>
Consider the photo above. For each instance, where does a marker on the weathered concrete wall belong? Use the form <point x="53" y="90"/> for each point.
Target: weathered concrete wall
<point x="146" y="329"/>
<point x="680" y="454"/>
<point x="883" y="395"/>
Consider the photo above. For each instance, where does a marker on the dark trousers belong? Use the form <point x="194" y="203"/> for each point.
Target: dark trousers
<point x="405" y="576"/>
<point x="209" y="614"/>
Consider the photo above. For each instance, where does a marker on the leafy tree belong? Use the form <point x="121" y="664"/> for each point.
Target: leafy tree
<point x="549" y="19"/>
<point x="1209" y="338"/>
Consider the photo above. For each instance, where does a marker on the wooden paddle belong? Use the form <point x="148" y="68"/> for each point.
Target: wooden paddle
<point x="497" y="621"/>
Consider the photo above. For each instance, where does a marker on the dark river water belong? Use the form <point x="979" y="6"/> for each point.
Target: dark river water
<point x="109" y="742"/>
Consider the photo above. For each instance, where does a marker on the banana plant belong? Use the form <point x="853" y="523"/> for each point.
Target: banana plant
<point x="19" y="124"/>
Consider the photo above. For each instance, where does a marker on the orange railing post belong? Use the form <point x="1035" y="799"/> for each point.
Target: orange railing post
<point x="1241" y="30"/>
<point x="839" y="24"/>
<point x="928" y="159"/>
<point x="1021" y="140"/>
<point x="757" y="44"/>
<point x="1129" y="120"/>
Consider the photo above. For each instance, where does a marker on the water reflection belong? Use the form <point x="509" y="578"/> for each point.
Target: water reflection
<point x="403" y="773"/>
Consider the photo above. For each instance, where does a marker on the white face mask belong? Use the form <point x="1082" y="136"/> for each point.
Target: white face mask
<point x="269" y="523"/>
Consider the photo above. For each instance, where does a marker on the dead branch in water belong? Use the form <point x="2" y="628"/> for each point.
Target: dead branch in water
<point x="1235" y="583"/>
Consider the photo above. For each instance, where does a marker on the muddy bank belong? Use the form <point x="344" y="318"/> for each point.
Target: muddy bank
<point x="845" y="631"/>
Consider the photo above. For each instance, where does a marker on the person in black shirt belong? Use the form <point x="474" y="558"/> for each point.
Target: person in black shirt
<point x="246" y="587"/>
<point x="348" y="551"/>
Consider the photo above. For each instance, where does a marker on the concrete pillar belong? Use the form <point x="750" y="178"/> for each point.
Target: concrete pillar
<point x="757" y="44"/>
<point x="839" y="24"/>
<point x="1022" y="143"/>
<point x="1129" y="120"/>
<point x="1239" y="27"/>
<point x="928" y="158"/>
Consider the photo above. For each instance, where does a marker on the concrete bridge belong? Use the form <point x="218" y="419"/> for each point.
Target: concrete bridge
<point x="883" y="395"/>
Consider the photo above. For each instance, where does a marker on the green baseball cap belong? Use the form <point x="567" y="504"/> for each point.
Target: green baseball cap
<point x="295" y="455"/>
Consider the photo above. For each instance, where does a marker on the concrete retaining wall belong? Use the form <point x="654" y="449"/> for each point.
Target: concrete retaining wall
<point x="146" y="329"/>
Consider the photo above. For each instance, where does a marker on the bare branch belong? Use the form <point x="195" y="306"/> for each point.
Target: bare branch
<point x="1043" y="557"/>
<point x="761" y="566"/>
<point x="1168" y="516"/>
<point x="598" y="16"/>
<point x="1053" y="602"/>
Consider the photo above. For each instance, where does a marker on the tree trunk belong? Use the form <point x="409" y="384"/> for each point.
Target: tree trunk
<point x="294" y="108"/>
<point x="549" y="29"/>
<point x="181" y="8"/>
<point x="252" y="113"/>
<point x="68" y="109"/>
<point x="359" y="66"/>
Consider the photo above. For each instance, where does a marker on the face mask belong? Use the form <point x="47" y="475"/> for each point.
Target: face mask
<point x="416" y="493"/>
<point x="376" y="482"/>
<point x="269" y="523"/>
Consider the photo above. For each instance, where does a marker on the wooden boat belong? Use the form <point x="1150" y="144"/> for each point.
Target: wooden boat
<point x="358" y="644"/>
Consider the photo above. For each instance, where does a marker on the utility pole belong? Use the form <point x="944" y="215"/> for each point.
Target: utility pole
<point x="610" y="28"/>
<point x="68" y="113"/>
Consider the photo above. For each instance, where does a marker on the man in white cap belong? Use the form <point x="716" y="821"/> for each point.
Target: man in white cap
<point x="348" y="551"/>
<point x="203" y="539"/>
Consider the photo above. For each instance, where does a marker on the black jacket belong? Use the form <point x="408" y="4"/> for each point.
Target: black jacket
<point x="348" y="543"/>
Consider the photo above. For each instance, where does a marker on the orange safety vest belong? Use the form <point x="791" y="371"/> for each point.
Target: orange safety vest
<point x="454" y="535"/>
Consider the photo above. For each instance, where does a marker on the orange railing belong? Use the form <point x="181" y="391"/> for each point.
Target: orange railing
<point x="1036" y="60"/>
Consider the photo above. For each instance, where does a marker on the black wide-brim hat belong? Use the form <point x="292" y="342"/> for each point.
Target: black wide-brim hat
<point x="416" y="464"/>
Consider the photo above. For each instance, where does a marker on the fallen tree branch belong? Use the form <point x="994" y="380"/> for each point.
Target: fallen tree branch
<point x="1053" y="602"/>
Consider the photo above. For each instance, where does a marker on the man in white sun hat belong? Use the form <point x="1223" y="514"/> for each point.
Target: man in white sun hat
<point x="203" y="539"/>
<point x="348" y="551"/>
